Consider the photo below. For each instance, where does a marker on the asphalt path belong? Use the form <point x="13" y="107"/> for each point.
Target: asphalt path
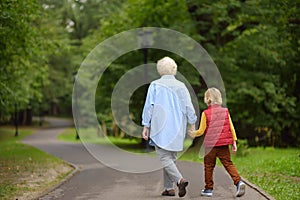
<point x="96" y="180"/>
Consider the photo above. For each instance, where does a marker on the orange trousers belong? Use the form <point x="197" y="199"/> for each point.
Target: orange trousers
<point x="223" y="153"/>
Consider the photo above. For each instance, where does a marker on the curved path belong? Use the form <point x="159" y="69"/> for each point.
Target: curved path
<point x="95" y="181"/>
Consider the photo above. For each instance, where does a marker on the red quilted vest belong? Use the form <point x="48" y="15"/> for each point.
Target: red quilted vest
<point x="217" y="131"/>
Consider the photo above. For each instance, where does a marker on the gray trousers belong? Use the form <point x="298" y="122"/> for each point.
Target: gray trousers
<point x="170" y="172"/>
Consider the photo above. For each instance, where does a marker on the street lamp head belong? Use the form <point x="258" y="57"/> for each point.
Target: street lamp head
<point x="146" y="38"/>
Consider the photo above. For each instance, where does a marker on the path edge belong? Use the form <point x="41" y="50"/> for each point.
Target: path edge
<point x="258" y="189"/>
<point x="60" y="183"/>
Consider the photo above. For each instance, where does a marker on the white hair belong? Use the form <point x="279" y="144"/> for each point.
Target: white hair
<point x="166" y="66"/>
<point x="213" y="96"/>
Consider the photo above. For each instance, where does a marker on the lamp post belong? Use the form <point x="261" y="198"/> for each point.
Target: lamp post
<point x="40" y="105"/>
<point x="146" y="41"/>
<point x="16" y="120"/>
<point x="75" y="101"/>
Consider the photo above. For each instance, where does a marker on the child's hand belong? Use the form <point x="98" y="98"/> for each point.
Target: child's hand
<point x="234" y="147"/>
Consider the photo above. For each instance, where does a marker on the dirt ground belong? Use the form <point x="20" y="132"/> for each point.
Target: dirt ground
<point x="41" y="180"/>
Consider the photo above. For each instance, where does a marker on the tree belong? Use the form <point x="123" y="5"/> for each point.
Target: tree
<point x="23" y="64"/>
<point x="252" y="43"/>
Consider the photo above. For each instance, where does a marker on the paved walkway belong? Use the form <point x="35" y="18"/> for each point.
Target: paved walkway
<point x="94" y="181"/>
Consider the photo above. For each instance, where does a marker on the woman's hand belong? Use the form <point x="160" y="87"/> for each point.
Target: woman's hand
<point x="192" y="133"/>
<point x="192" y="127"/>
<point x="145" y="133"/>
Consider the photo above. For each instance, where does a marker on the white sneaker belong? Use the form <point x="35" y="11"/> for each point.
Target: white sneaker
<point x="206" y="192"/>
<point x="241" y="187"/>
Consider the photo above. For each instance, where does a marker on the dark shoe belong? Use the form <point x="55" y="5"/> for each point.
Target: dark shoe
<point x="181" y="187"/>
<point x="240" y="187"/>
<point x="168" y="193"/>
<point x="207" y="192"/>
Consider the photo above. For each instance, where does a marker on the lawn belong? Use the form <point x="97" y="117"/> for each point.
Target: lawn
<point x="276" y="171"/>
<point x="24" y="170"/>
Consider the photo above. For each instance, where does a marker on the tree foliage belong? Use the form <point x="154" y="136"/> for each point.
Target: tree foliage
<point x="23" y="52"/>
<point x="129" y="15"/>
<point x="68" y="22"/>
<point x="253" y="44"/>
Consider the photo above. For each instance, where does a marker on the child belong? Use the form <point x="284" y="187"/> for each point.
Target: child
<point x="219" y="133"/>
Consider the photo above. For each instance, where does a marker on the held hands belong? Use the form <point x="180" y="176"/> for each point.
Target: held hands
<point x="192" y="127"/>
<point x="145" y="133"/>
<point x="192" y="131"/>
<point x="234" y="147"/>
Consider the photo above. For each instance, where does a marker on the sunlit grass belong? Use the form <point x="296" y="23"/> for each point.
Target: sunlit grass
<point x="276" y="171"/>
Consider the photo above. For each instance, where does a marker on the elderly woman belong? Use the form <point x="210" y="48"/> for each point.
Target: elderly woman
<point x="167" y="110"/>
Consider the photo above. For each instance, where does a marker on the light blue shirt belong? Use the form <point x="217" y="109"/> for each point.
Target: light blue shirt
<point x="167" y="110"/>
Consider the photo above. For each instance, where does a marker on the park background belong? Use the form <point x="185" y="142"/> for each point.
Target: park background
<point x="254" y="43"/>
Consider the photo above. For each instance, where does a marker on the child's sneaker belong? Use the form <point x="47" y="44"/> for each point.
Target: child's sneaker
<point x="241" y="187"/>
<point x="206" y="192"/>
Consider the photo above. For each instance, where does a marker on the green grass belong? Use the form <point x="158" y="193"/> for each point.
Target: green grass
<point x="24" y="170"/>
<point x="276" y="171"/>
<point x="69" y="135"/>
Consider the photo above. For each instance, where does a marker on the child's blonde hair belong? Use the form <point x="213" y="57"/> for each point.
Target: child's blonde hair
<point x="213" y="96"/>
